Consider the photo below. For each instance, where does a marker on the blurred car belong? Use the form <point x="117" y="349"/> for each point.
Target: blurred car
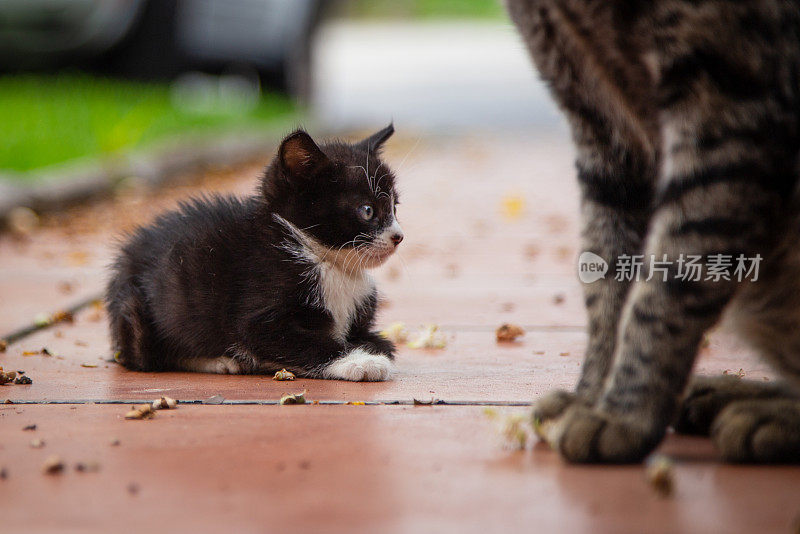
<point x="160" y="39"/>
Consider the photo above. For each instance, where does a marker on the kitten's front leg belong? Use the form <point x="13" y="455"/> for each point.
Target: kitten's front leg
<point x="371" y="355"/>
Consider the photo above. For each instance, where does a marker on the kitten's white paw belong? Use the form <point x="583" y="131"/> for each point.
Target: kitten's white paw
<point x="359" y="365"/>
<point x="222" y="365"/>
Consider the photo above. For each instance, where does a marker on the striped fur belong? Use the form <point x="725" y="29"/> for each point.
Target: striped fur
<point x="685" y="116"/>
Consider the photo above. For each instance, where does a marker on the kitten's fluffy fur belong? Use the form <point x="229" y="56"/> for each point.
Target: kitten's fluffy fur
<point x="686" y="120"/>
<point x="228" y="285"/>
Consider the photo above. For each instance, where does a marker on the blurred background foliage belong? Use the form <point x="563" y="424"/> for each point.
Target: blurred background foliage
<point x="50" y="119"/>
<point x="89" y="78"/>
<point x="423" y="9"/>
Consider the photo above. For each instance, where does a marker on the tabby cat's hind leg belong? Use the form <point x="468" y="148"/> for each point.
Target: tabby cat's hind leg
<point x="708" y="396"/>
<point x="760" y="431"/>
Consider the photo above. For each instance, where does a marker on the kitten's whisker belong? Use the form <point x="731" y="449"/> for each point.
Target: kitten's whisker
<point x="408" y="154"/>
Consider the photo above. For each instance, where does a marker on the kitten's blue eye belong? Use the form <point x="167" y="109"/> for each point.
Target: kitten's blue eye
<point x="365" y="212"/>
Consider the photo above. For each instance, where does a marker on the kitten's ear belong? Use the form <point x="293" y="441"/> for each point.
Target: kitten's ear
<point x="299" y="154"/>
<point x="374" y="142"/>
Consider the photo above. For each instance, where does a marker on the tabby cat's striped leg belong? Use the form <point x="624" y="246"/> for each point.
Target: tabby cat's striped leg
<point x="616" y="184"/>
<point x="713" y="200"/>
<point x="614" y="206"/>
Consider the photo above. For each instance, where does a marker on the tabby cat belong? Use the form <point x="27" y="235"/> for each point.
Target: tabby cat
<point x="685" y="116"/>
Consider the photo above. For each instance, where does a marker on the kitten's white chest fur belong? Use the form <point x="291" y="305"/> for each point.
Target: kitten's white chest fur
<point x="342" y="294"/>
<point x="341" y="287"/>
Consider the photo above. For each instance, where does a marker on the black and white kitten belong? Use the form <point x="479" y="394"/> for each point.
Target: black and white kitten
<point x="277" y="280"/>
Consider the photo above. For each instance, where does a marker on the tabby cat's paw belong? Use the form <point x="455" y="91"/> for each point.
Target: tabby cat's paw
<point x="759" y="431"/>
<point x="359" y="365"/>
<point x="583" y="434"/>
<point x="707" y="396"/>
<point x="550" y="407"/>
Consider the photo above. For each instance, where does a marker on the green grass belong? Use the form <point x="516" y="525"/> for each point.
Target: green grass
<point x="428" y="9"/>
<point x="46" y="120"/>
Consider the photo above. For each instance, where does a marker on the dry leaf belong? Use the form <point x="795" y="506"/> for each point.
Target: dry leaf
<point x="297" y="398"/>
<point x="428" y="338"/>
<point x="41" y="319"/>
<point x="164" y="403"/>
<point x="512" y="206"/>
<point x="214" y="399"/>
<point x="283" y="375"/>
<point x="737" y="374"/>
<point x="53" y="465"/>
<point x="508" y="332"/>
<point x="395" y="332"/>
<point x="659" y="474"/>
<point x="62" y="316"/>
<point x="87" y="467"/>
<point x="516" y="429"/>
<point x="141" y="411"/>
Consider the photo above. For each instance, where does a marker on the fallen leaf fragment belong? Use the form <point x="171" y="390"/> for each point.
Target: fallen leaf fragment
<point x="3" y="345"/>
<point x="6" y="377"/>
<point x="89" y="365"/>
<point x="23" y="380"/>
<point x="737" y="374"/>
<point x="97" y="311"/>
<point x="508" y="332"/>
<point x="42" y="320"/>
<point x="142" y="411"/>
<point x="283" y="375"/>
<point x="512" y="206"/>
<point x="516" y="429"/>
<point x="418" y="402"/>
<point x="428" y="338"/>
<point x="87" y="467"/>
<point x="395" y="332"/>
<point x="62" y="316"/>
<point x="659" y="474"/>
<point x="53" y="465"/>
<point x="29" y="427"/>
<point x="356" y="403"/>
<point x="165" y="403"/>
<point x="297" y="398"/>
<point x="214" y="399"/>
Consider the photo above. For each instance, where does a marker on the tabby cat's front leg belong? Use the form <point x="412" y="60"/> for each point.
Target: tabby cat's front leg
<point x="714" y="202"/>
<point x="616" y="188"/>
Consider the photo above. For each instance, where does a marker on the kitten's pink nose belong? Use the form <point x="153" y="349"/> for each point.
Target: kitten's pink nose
<point x="396" y="238"/>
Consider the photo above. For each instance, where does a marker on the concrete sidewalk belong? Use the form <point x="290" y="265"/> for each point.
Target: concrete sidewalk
<point x="491" y="237"/>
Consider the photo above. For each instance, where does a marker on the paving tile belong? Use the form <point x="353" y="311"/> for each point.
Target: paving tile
<point x="354" y="469"/>
<point x="468" y="264"/>
<point x="473" y="366"/>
